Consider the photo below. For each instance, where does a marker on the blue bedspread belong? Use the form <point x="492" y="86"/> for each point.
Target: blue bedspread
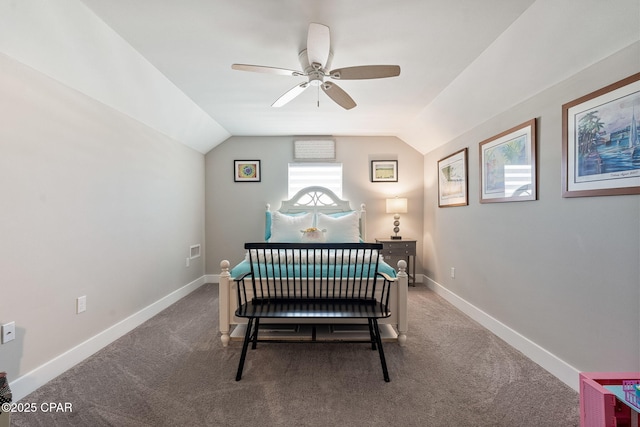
<point x="310" y="270"/>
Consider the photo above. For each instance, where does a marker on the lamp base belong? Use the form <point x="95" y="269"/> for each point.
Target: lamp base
<point x="396" y="237"/>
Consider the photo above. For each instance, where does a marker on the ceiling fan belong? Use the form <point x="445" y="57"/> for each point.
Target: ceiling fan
<point x="315" y="61"/>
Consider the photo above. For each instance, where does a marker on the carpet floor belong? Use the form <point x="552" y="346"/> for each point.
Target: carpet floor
<point x="173" y="371"/>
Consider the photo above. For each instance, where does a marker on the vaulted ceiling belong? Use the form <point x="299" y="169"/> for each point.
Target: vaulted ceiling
<point x="462" y="61"/>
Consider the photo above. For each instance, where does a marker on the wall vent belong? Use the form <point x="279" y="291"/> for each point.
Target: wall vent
<point x="194" y="251"/>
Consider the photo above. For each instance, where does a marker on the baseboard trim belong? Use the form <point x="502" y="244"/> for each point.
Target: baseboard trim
<point x="553" y="364"/>
<point x="36" y="378"/>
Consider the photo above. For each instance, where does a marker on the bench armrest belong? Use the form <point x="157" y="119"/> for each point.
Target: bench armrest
<point x="387" y="277"/>
<point x="242" y="277"/>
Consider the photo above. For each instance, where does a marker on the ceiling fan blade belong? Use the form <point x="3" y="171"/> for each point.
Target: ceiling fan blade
<point x="340" y="97"/>
<point x="318" y="44"/>
<point x="365" y="72"/>
<point x="290" y="94"/>
<point x="268" y="70"/>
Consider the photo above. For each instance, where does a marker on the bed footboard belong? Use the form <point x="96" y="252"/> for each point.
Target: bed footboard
<point x="224" y="292"/>
<point x="402" y="306"/>
<point x="228" y="303"/>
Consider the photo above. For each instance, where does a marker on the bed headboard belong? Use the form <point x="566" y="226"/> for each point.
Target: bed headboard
<point x="320" y="199"/>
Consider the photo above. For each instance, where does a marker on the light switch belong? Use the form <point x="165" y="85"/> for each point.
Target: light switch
<point x="81" y="304"/>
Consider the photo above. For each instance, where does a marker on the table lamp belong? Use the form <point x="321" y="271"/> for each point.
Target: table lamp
<point x="396" y="206"/>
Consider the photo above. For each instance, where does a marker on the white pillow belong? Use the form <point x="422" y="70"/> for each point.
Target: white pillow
<point x="288" y="229"/>
<point x="344" y="229"/>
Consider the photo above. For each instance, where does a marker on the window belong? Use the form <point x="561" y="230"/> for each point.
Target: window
<point x="303" y="175"/>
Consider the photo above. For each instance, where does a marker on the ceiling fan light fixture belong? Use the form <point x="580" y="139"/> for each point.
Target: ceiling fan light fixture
<point x="316" y="78"/>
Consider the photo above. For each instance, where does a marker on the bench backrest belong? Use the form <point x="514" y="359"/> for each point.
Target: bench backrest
<point x="322" y="271"/>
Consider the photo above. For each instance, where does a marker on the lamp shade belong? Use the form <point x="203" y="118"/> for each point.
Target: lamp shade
<point x="397" y="205"/>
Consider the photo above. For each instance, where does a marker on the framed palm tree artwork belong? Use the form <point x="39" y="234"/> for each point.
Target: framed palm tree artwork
<point x="601" y="141"/>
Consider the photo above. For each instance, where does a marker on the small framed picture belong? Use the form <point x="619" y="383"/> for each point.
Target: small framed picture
<point x="246" y="170"/>
<point x="453" y="186"/>
<point x="508" y="165"/>
<point x="384" y="171"/>
<point x="601" y="141"/>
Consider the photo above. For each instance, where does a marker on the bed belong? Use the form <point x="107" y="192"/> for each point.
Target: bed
<point x="314" y="215"/>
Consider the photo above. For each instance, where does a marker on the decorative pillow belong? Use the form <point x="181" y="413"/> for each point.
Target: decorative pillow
<point x="313" y="235"/>
<point x="268" y="221"/>
<point x="343" y="229"/>
<point x="287" y="229"/>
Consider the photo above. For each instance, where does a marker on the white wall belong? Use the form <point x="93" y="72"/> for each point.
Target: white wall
<point x="563" y="273"/>
<point x="65" y="40"/>
<point x="92" y="203"/>
<point x="235" y="211"/>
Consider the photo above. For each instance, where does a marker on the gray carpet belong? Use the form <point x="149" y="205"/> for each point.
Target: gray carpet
<point x="173" y="371"/>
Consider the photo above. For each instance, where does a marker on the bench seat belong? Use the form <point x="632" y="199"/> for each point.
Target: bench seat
<point x="313" y="308"/>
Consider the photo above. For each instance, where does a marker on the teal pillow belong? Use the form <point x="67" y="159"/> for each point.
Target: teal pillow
<point x="267" y="226"/>
<point x="339" y="214"/>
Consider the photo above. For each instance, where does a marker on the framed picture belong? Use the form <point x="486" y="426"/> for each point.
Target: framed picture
<point x="601" y="142"/>
<point x="508" y="165"/>
<point x="246" y="170"/>
<point x="384" y="171"/>
<point x="453" y="186"/>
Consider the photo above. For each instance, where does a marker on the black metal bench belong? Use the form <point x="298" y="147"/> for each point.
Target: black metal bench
<point x="313" y="281"/>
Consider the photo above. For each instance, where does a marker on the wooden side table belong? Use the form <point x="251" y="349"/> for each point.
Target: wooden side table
<point x="401" y="249"/>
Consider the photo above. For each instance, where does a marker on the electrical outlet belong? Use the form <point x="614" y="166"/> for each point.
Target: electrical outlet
<point x="8" y="332"/>
<point x="453" y="272"/>
<point x="188" y="262"/>
<point x="81" y="304"/>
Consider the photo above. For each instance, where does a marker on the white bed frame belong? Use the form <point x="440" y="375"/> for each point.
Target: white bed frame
<point x="317" y="199"/>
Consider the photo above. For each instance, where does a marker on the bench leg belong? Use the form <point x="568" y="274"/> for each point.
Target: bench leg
<point x="255" y="333"/>
<point x="372" y="334"/>
<point x="245" y="345"/>
<point x="383" y="361"/>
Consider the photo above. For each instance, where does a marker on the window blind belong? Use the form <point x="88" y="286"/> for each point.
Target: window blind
<point x="327" y="175"/>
